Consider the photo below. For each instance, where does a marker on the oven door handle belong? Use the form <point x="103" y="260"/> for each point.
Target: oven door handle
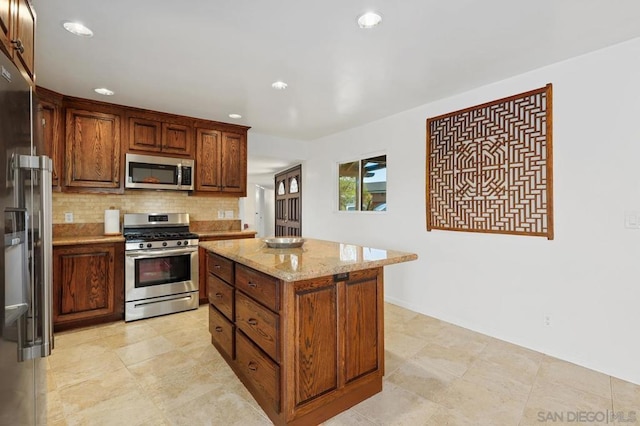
<point x="150" y="254"/>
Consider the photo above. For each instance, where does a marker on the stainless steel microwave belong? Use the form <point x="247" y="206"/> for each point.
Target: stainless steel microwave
<point x="155" y="172"/>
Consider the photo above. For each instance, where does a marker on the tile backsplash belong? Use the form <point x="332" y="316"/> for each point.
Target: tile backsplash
<point x="89" y="208"/>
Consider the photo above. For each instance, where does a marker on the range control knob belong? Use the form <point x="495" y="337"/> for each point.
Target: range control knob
<point x="149" y="245"/>
<point x="164" y="244"/>
<point x="179" y="243"/>
<point x="186" y="243"/>
<point x="141" y="245"/>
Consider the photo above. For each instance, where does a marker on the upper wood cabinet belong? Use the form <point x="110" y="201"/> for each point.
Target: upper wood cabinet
<point x="17" y="34"/>
<point x="221" y="162"/>
<point x="152" y="135"/>
<point x="92" y="151"/>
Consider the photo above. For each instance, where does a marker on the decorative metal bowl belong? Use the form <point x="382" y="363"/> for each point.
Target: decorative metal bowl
<point x="284" y="242"/>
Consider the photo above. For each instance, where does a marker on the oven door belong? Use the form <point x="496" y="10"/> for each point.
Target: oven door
<point x="162" y="272"/>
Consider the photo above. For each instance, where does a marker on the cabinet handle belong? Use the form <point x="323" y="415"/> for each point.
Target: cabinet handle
<point x="216" y="266"/>
<point x="252" y="321"/>
<point x="219" y="329"/>
<point x="252" y="284"/>
<point x="219" y="295"/>
<point x="17" y="44"/>
<point x="252" y="366"/>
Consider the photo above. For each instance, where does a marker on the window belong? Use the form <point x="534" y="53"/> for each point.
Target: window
<point x="362" y="185"/>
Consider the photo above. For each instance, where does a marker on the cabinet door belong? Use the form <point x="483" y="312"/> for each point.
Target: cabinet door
<point x="234" y="164"/>
<point x="144" y="135"/>
<point x="83" y="282"/>
<point x="24" y="35"/>
<point x="5" y="25"/>
<point x="92" y="151"/>
<point x="49" y="122"/>
<point x="362" y="326"/>
<point x="208" y="145"/>
<point x="316" y="340"/>
<point x="177" y="139"/>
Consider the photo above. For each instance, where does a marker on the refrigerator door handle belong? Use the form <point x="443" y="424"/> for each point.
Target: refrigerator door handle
<point x="42" y="340"/>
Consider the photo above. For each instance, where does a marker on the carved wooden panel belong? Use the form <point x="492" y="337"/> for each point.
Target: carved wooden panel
<point x="489" y="167"/>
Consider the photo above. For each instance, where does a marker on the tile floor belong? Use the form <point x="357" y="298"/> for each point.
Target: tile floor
<point x="164" y="371"/>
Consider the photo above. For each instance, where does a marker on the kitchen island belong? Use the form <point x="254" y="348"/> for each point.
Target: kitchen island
<point x="303" y="328"/>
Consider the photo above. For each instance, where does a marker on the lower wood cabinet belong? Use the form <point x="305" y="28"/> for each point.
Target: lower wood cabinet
<point x="203" y="260"/>
<point x="88" y="284"/>
<point x="306" y="350"/>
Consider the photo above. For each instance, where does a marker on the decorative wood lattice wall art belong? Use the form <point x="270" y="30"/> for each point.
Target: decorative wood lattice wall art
<point x="489" y="167"/>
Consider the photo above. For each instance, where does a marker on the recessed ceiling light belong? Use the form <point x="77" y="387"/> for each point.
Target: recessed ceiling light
<point x="369" y="20"/>
<point x="279" y="85"/>
<point x="77" y="28"/>
<point x="236" y="116"/>
<point x="103" y="91"/>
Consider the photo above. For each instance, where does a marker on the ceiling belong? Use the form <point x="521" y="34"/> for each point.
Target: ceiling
<point x="208" y="58"/>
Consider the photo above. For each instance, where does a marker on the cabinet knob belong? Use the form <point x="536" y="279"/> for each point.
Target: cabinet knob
<point x="219" y="329"/>
<point x="17" y="44"/>
<point x="252" y="366"/>
<point x="252" y="321"/>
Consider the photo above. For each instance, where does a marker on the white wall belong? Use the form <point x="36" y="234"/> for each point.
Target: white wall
<point x="587" y="279"/>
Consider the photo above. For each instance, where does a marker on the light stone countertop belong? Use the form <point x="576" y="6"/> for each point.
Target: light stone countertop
<point x="316" y="258"/>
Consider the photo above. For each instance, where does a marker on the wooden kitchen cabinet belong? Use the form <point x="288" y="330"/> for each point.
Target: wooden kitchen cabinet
<point x="92" y="151"/>
<point x="306" y="350"/>
<point x="48" y="128"/>
<point x="88" y="284"/>
<point x="221" y="162"/>
<point x="17" y="34"/>
<point x="154" y="133"/>
<point x="204" y="257"/>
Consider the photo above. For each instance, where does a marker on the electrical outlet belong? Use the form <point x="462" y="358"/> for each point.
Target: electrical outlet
<point x="220" y="214"/>
<point x="68" y="217"/>
<point x="228" y="214"/>
<point x="547" y="320"/>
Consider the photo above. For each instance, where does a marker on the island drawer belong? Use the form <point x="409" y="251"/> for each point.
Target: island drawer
<point x="259" y="324"/>
<point x="262" y="287"/>
<point x="261" y="372"/>
<point x="220" y="294"/>
<point x="221" y="267"/>
<point x="221" y="332"/>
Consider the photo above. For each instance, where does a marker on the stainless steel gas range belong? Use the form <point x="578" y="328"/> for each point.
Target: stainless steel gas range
<point x="161" y="265"/>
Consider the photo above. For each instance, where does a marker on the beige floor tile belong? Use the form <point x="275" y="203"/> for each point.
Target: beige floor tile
<point x="429" y="383"/>
<point x="348" y="418"/>
<point x="86" y="368"/>
<point x="143" y="350"/>
<point x="500" y="380"/>
<point x="481" y="405"/>
<point x="392" y="362"/>
<point x="402" y="345"/>
<point x="217" y="407"/>
<point x="522" y="364"/>
<point x="124" y="336"/>
<point x="153" y="369"/>
<point x="191" y="338"/>
<point x="449" y="417"/>
<point x="55" y="411"/>
<point x="563" y="372"/>
<point x="396" y="406"/>
<point x="452" y="360"/>
<point x="626" y="397"/>
<point x="168" y="323"/>
<point x="418" y="326"/>
<point x="64" y="355"/>
<point x="549" y="399"/>
<point x="71" y="338"/>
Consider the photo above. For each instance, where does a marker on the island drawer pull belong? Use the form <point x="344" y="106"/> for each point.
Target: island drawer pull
<point x="218" y="329"/>
<point x="252" y="321"/>
<point x="252" y="284"/>
<point x="252" y="366"/>
<point x="217" y="266"/>
<point x="218" y="295"/>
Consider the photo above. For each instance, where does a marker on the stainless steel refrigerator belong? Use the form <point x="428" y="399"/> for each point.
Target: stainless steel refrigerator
<point x="25" y="290"/>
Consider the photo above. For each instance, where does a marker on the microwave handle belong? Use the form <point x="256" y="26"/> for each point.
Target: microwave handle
<point x="179" y="174"/>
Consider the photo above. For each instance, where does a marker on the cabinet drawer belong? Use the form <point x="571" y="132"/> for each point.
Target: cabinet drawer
<point x="221" y="267"/>
<point x="259" y="324"/>
<point x="262" y="373"/>
<point x="220" y="294"/>
<point x="261" y="287"/>
<point x="221" y="332"/>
